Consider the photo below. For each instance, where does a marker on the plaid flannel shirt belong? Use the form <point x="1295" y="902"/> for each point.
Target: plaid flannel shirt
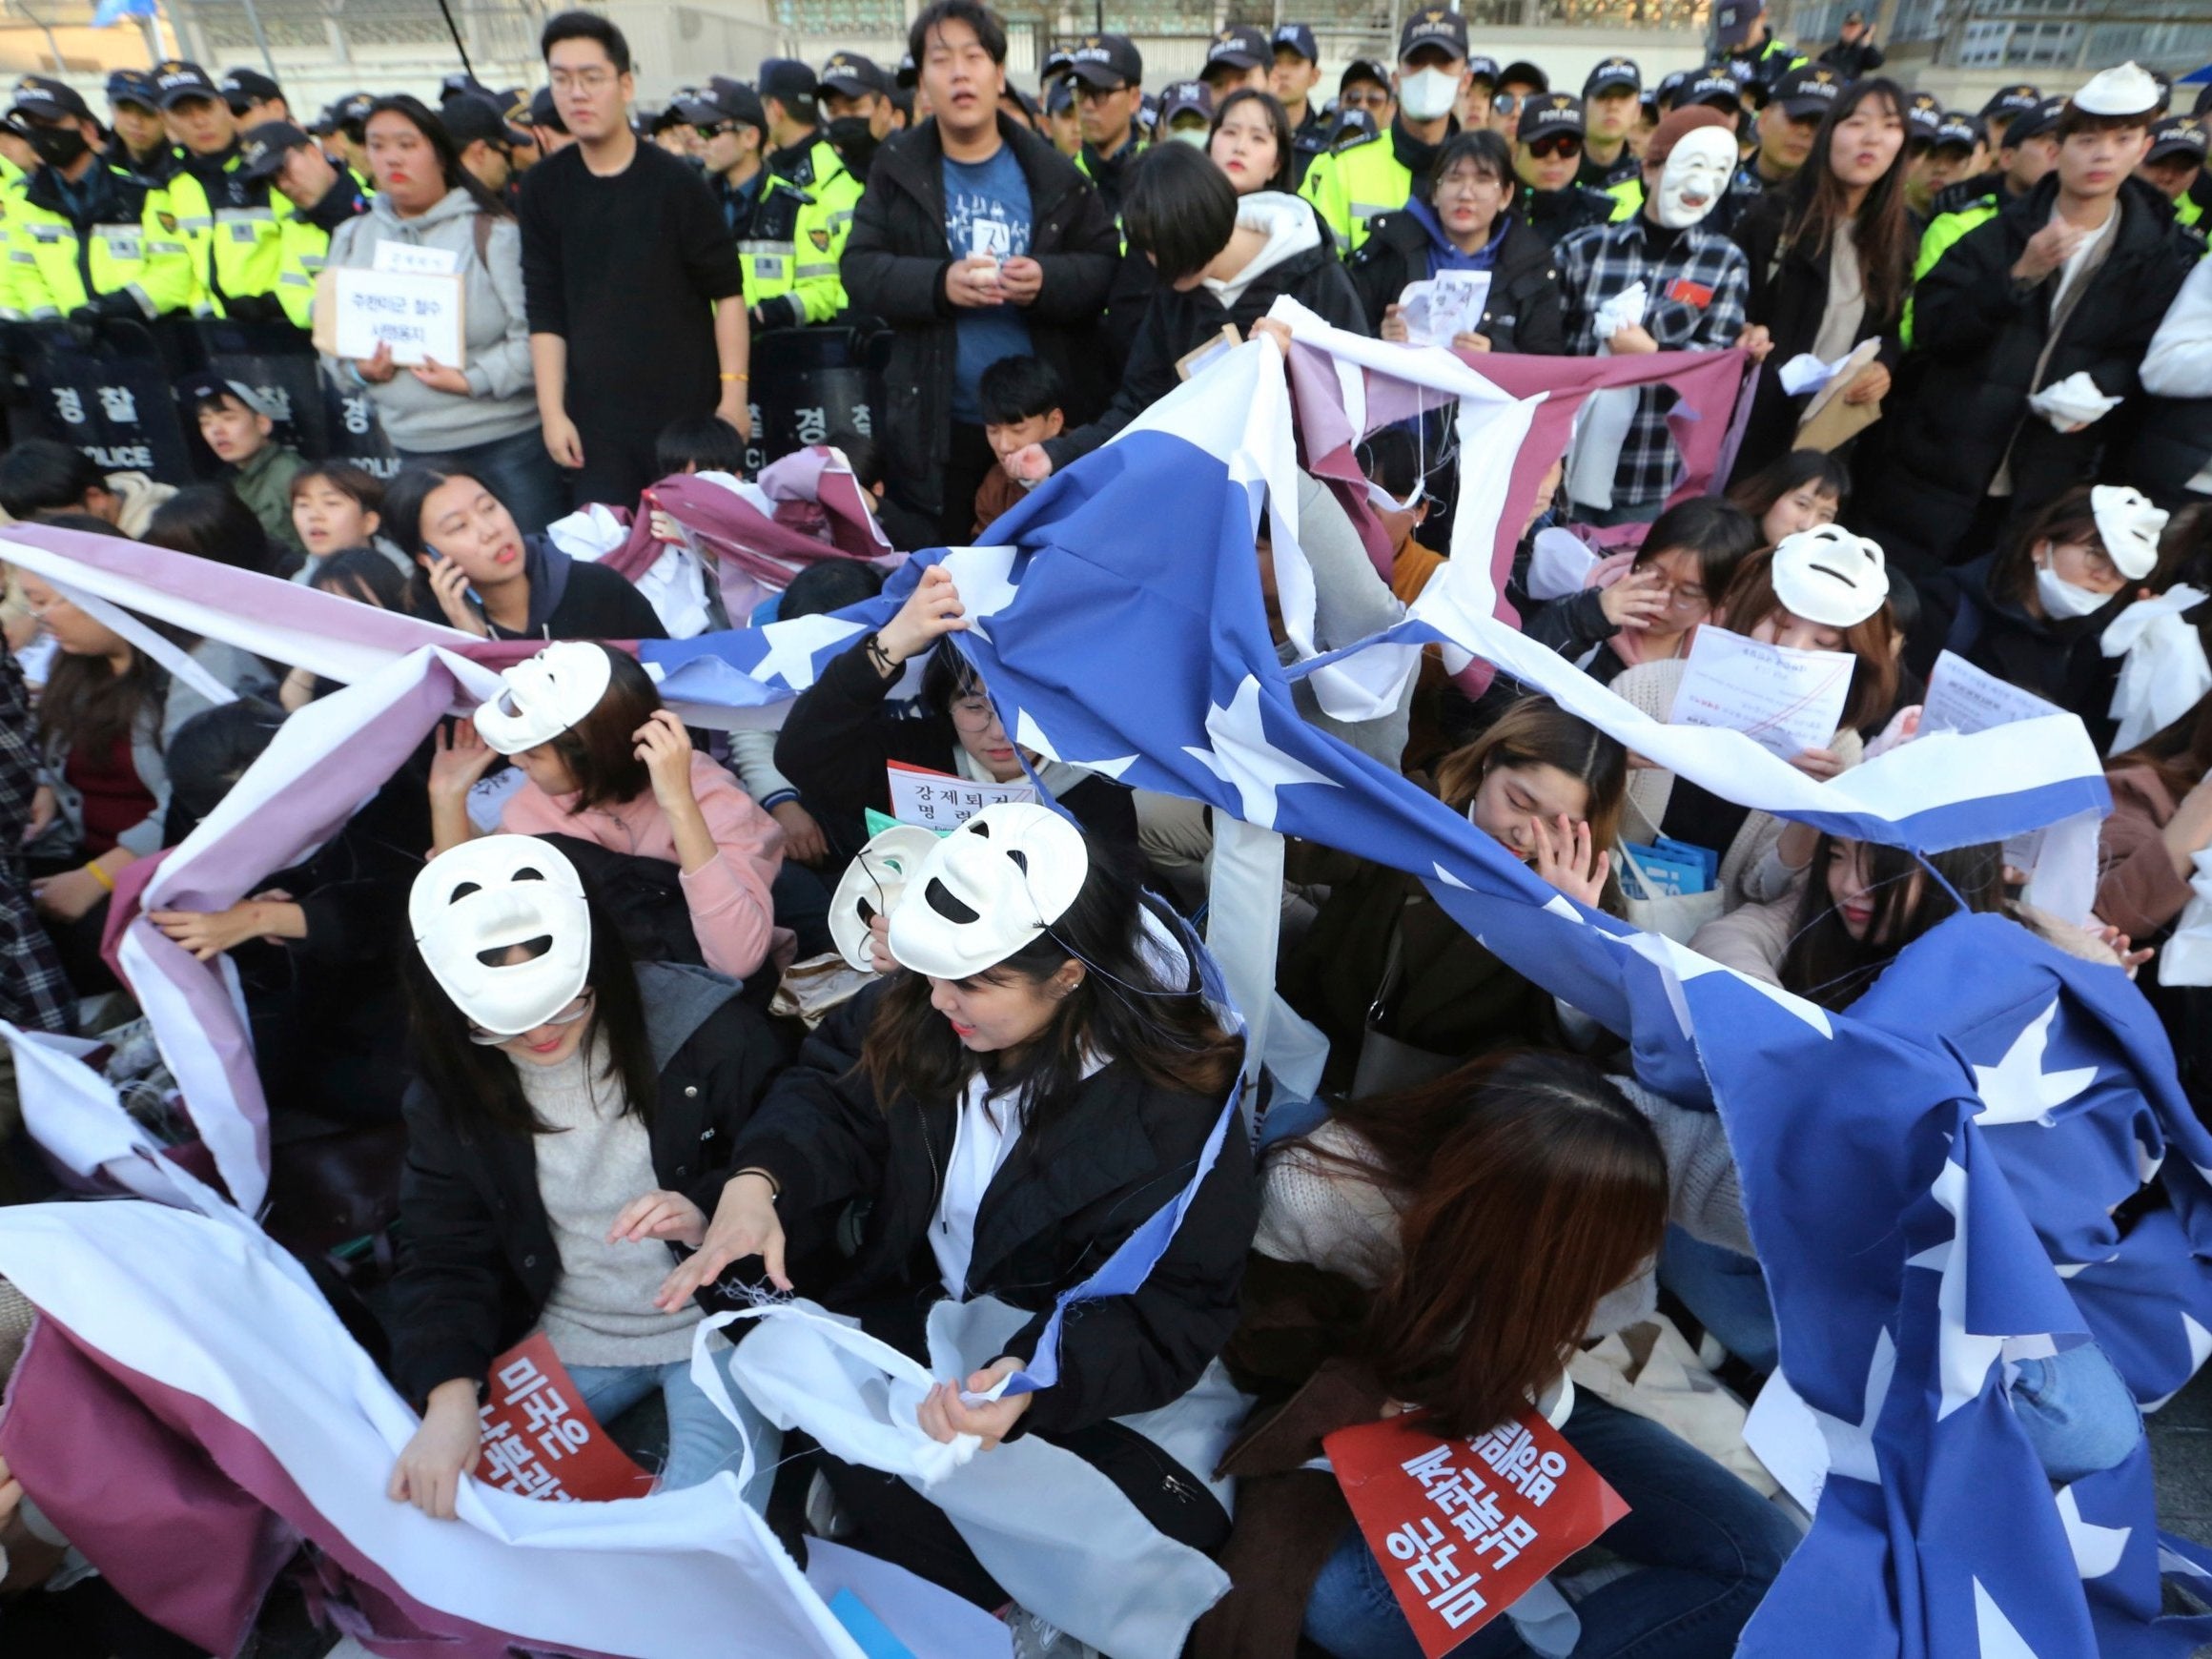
<point x="1697" y="296"/>
<point x="35" y="993"/>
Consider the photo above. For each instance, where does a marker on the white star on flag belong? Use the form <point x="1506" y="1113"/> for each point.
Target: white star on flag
<point x="792" y="646"/>
<point x="2199" y="1350"/>
<point x="1966" y="1357"/>
<point x="1031" y="736"/>
<point x="980" y="576"/>
<point x="1998" y="1639"/>
<point x="1241" y="756"/>
<point x="2096" y="1550"/>
<point x="1851" y="1446"/>
<point x="2017" y="1089"/>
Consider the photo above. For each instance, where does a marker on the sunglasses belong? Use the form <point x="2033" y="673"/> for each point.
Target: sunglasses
<point x="715" y="132"/>
<point x="1555" y="147"/>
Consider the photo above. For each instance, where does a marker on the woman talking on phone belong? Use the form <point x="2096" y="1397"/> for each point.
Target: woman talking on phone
<point x="476" y="571"/>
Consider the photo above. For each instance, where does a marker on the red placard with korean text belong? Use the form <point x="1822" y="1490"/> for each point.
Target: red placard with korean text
<point x="1463" y="1528"/>
<point x="540" y="1441"/>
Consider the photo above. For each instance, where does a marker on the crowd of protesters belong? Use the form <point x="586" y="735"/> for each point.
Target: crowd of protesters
<point x="565" y="1016"/>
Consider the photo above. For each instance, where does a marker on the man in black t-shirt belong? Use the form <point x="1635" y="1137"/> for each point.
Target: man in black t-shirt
<point x="633" y="284"/>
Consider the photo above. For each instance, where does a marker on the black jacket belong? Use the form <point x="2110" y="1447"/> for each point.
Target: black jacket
<point x="895" y="266"/>
<point x="1176" y="325"/>
<point x="1556" y="215"/>
<point x="570" y="599"/>
<point x="1787" y="294"/>
<point x="839" y="737"/>
<point x="2062" y="660"/>
<point x="1525" y="311"/>
<point x="1978" y="334"/>
<point x="478" y="1260"/>
<point x="1067" y="1197"/>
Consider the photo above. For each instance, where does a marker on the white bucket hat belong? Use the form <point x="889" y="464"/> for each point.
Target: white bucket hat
<point x="873" y="885"/>
<point x="545" y="696"/>
<point x="989" y="888"/>
<point x="1828" y="576"/>
<point x="2129" y="526"/>
<point x="469" y="906"/>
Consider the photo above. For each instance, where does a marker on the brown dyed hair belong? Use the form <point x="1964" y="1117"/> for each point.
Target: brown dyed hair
<point x="1750" y="600"/>
<point x="1531" y="1188"/>
<point x="600" y="750"/>
<point x="2070" y="518"/>
<point x="1537" y="733"/>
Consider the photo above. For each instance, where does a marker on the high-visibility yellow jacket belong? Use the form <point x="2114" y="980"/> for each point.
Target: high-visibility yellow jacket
<point x="127" y="243"/>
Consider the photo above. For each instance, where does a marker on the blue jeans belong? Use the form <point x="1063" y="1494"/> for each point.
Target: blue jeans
<point x="1706" y="1546"/>
<point x="516" y="469"/>
<point x="2078" y="1414"/>
<point x="702" y="1441"/>
<point x="1726" y="1292"/>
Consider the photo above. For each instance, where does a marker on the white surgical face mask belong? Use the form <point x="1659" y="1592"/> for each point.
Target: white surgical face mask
<point x="1695" y="173"/>
<point x="1427" y="94"/>
<point x="1194" y="136"/>
<point x="2064" y="599"/>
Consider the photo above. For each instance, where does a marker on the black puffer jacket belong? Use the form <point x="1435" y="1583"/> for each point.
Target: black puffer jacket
<point x="1067" y="1197"/>
<point x="1977" y="337"/>
<point x="2060" y="660"/>
<point x="479" y="1260"/>
<point x="894" y="268"/>
<point x="1525" y="311"/>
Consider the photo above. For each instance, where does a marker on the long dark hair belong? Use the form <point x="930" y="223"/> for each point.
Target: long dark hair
<point x="1537" y="733"/>
<point x="87" y="706"/>
<point x="210" y="522"/>
<point x="1120" y="1009"/>
<point x="1286" y="156"/>
<point x="1825" y="965"/>
<point x="417" y="114"/>
<point x="478" y="1089"/>
<point x="1885" y="235"/>
<point x="1529" y="1188"/>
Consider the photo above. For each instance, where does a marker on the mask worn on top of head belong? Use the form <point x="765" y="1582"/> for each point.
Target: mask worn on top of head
<point x="856" y="142"/>
<point x="1696" y="172"/>
<point x="1427" y="94"/>
<point x="2062" y="598"/>
<point x="55" y="146"/>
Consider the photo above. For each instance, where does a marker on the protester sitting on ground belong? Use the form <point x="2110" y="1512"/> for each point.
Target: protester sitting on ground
<point x="105" y="722"/>
<point x="477" y="572"/>
<point x="2035" y="611"/>
<point x="840" y="734"/>
<point x="482" y="419"/>
<point x="1402" y="994"/>
<point x="1685" y="564"/>
<point x="209" y="521"/>
<point x="1802" y="490"/>
<point x="604" y="762"/>
<point x="1040" y="1017"/>
<point x="694" y="443"/>
<point x="335" y="507"/>
<point x="34" y="989"/>
<point x="1447" y="1248"/>
<point x="236" y="424"/>
<point x="362" y="574"/>
<point x="573" y="1118"/>
<point x="1021" y="400"/>
<point x="1465" y="223"/>
<point x="1223" y="260"/>
<point x="39" y="476"/>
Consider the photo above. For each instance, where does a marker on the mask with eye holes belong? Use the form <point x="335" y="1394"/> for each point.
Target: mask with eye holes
<point x="872" y="885"/>
<point x="993" y="886"/>
<point x="546" y="695"/>
<point x="471" y="907"/>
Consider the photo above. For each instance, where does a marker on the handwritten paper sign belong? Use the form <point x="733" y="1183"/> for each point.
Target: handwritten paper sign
<point x="941" y="801"/>
<point x="1444" y="306"/>
<point x="1785" y="701"/>
<point x="418" y="316"/>
<point x="1463" y="1528"/>
<point x="408" y="258"/>
<point x="540" y="1441"/>
<point x="1965" y="699"/>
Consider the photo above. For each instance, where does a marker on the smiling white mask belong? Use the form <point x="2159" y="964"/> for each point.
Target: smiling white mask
<point x="1695" y="173"/>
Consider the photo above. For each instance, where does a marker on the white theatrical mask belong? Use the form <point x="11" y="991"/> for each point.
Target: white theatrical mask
<point x="1697" y="171"/>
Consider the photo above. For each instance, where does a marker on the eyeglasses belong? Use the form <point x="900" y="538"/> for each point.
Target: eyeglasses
<point x="44" y="611"/>
<point x="591" y="80"/>
<point x="973" y="714"/>
<point x="1556" y="148"/>
<point x="569" y="1015"/>
<point x="1687" y="596"/>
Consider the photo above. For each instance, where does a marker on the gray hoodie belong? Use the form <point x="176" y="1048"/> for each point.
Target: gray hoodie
<point x="502" y="400"/>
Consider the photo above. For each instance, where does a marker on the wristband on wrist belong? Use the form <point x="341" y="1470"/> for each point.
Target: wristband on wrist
<point x="884" y="663"/>
<point x="775" y="1186"/>
<point x="101" y="875"/>
<point x="772" y="802"/>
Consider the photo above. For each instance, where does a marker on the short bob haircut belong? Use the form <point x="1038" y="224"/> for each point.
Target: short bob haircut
<point x="600" y="750"/>
<point x="1180" y="208"/>
<point x="1758" y="493"/>
<point x="1488" y="150"/>
<point x="1279" y="123"/>
<point x="1717" y="533"/>
<point x="989" y="30"/>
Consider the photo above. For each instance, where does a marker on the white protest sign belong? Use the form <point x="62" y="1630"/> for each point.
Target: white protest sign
<point x="408" y="259"/>
<point x="1445" y="305"/>
<point x="1783" y="700"/>
<point x="941" y="801"/>
<point x="418" y="316"/>
<point x="1965" y="699"/>
<point x="1784" y="1435"/>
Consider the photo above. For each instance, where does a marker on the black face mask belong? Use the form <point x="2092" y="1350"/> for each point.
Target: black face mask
<point x="855" y="141"/>
<point x="55" y="146"/>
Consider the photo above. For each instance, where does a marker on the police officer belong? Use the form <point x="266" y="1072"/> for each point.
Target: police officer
<point x="1548" y="148"/>
<point x="142" y="146"/>
<point x="1297" y="72"/>
<point x="790" y="97"/>
<point x="230" y="228"/>
<point x="85" y="239"/>
<point x="2006" y="105"/>
<point x="318" y="198"/>
<point x="486" y="137"/>
<point x="343" y="127"/>
<point x="2173" y="165"/>
<point x="253" y="98"/>
<point x="1351" y="186"/>
<point x="1786" y="129"/>
<point x="1743" y="36"/>
<point x="1108" y="73"/>
<point x="1609" y="97"/>
<point x="856" y="98"/>
<point x="1237" y="57"/>
<point x="761" y="209"/>
<point x="1063" y="121"/>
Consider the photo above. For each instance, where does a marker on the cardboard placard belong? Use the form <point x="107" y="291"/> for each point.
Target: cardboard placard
<point x="417" y="314"/>
<point x="940" y="801"/>
<point x="1463" y="1528"/>
<point x="540" y="1441"/>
